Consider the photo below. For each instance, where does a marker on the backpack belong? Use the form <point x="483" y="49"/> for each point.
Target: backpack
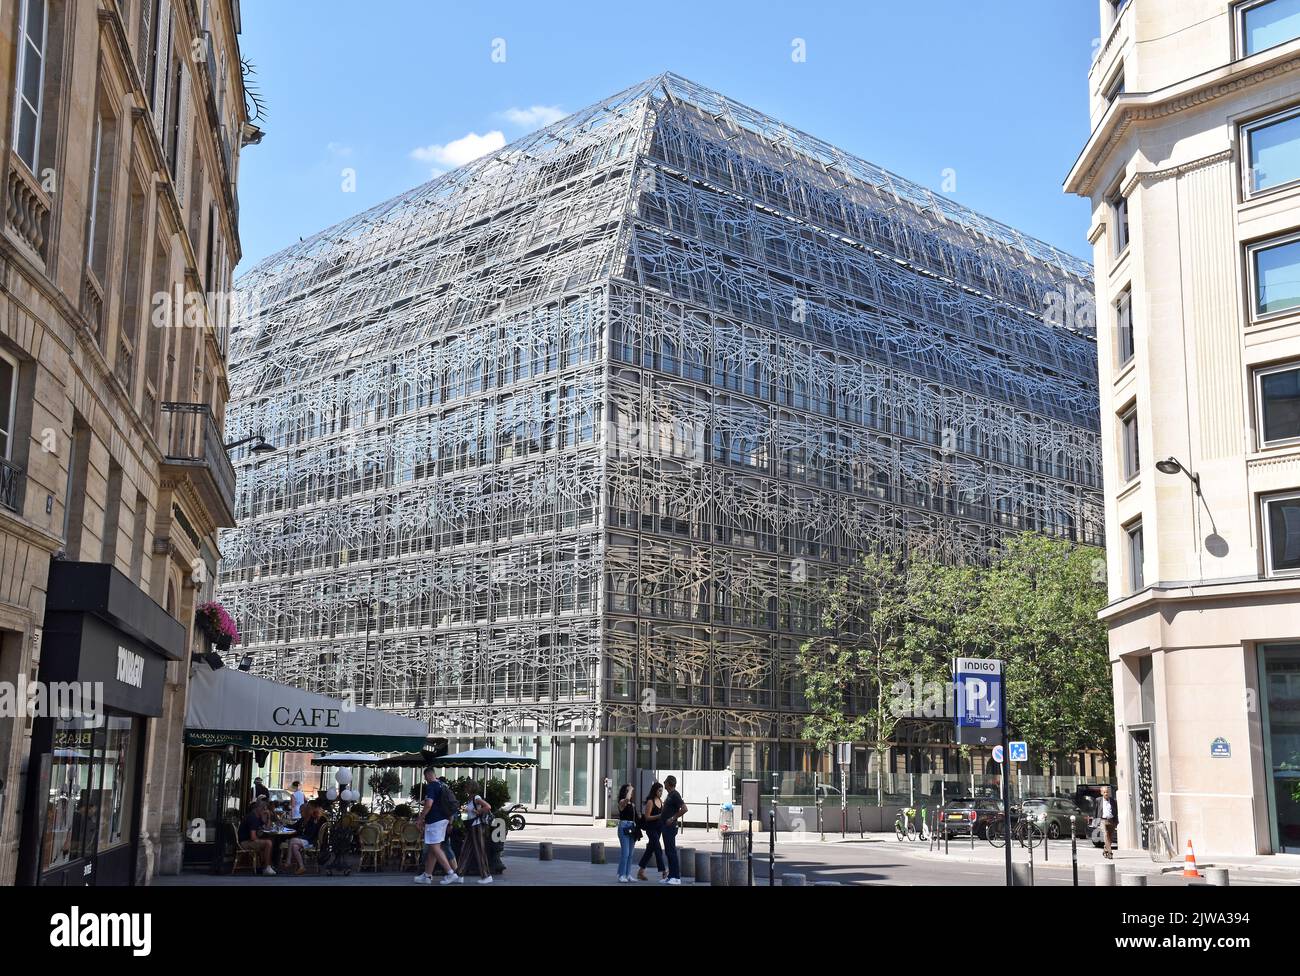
<point x="444" y="801"/>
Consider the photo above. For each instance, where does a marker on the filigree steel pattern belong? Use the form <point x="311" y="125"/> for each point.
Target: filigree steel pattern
<point x="570" y="429"/>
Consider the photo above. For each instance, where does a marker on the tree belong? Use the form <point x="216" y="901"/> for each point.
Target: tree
<point x="889" y="623"/>
<point x="1038" y="607"/>
<point x="862" y="654"/>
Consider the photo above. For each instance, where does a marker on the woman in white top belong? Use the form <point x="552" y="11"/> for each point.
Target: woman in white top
<point x="478" y="815"/>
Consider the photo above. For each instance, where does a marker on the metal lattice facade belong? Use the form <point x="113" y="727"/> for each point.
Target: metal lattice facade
<point x="579" y="422"/>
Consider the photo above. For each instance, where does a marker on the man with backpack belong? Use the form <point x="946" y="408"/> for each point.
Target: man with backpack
<point x="439" y="807"/>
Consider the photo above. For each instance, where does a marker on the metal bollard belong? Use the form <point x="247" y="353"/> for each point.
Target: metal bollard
<point x="1217" y="877"/>
<point x="545" y="851"/>
<point x="718" y="870"/>
<point x="597" y="852"/>
<point x="1074" y="852"/>
<point x="737" y="874"/>
<point x="686" y="858"/>
<point x="1133" y="880"/>
<point x="1103" y="875"/>
<point x="1022" y="876"/>
<point x="794" y="880"/>
<point x="701" y="867"/>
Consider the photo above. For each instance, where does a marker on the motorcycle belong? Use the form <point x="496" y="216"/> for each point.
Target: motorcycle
<point x="515" y="816"/>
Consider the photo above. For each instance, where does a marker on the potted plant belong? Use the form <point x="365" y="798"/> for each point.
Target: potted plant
<point x="216" y="624"/>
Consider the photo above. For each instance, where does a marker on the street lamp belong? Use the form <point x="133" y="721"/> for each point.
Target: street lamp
<point x="1171" y="465"/>
<point x="262" y="445"/>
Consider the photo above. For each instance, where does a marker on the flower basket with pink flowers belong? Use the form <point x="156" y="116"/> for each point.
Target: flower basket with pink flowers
<point x="217" y="624"/>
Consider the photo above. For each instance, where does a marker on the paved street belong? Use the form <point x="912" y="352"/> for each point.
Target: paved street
<point x="877" y="859"/>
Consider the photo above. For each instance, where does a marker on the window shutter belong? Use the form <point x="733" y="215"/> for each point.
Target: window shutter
<point x="162" y="70"/>
<point x="183" y="138"/>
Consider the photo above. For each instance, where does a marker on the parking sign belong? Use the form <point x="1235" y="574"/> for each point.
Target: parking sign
<point x="977" y="684"/>
<point x="1019" y="751"/>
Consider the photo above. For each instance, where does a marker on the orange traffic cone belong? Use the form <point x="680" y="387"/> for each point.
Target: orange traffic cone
<point x="1189" y="867"/>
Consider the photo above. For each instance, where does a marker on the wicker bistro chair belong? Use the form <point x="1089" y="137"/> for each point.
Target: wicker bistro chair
<point x="243" y="858"/>
<point x="411" y="839"/>
<point x="371" y="839"/>
<point x="395" y="835"/>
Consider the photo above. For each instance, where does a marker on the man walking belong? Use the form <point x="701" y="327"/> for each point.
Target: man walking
<point x="674" y="810"/>
<point x="434" y="817"/>
<point x="1108" y="814"/>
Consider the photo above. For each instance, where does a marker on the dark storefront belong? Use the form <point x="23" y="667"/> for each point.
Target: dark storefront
<point x="81" y="820"/>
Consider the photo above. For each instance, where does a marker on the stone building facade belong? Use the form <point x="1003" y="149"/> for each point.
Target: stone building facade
<point x="123" y="124"/>
<point x="1193" y="171"/>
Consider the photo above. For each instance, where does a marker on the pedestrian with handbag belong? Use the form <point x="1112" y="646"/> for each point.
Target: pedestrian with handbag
<point x="628" y="831"/>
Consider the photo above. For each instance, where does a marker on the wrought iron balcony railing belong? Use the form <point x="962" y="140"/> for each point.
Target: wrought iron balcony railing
<point x="190" y="436"/>
<point x="11" y="486"/>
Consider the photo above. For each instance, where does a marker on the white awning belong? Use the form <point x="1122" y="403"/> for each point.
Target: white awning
<point x="231" y="707"/>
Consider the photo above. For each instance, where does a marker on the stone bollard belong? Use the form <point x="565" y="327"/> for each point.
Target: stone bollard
<point x="598" y="852"/>
<point x="1022" y="876"/>
<point x="545" y="851"/>
<point x="718" y="870"/>
<point x="686" y="859"/>
<point x="794" y="880"/>
<point x="1103" y="875"/>
<point x="1217" y="877"/>
<point x="702" y="867"/>
<point x="1132" y="880"/>
<point x="737" y="874"/>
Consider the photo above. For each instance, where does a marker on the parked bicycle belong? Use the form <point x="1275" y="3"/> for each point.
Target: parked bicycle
<point x="1026" y="832"/>
<point x="906" y="829"/>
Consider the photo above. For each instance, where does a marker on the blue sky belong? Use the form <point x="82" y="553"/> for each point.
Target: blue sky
<point x="994" y="90"/>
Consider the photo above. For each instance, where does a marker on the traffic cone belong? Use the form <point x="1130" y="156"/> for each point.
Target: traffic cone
<point x="1189" y="867"/>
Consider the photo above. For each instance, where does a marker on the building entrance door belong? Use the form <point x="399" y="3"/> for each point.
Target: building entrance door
<point x="1144" y="783"/>
<point x="1281" y="716"/>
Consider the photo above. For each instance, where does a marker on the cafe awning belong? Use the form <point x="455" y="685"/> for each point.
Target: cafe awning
<point x="395" y="760"/>
<point x="484" y="759"/>
<point x="230" y="707"/>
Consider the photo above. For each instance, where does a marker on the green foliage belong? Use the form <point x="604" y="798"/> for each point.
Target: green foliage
<point x="384" y="784"/>
<point x="1034" y="606"/>
<point x="404" y="810"/>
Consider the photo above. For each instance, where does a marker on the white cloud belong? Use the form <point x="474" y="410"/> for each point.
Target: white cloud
<point x="534" y="117"/>
<point x="458" y="152"/>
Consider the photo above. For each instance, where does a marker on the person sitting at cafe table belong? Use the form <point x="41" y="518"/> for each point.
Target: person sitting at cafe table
<point x="248" y="835"/>
<point x="308" y="828"/>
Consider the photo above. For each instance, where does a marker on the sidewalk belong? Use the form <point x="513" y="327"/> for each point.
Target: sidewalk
<point x="1277" y="867"/>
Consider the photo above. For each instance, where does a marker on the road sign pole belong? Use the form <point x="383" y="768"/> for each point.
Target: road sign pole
<point x="1006" y="797"/>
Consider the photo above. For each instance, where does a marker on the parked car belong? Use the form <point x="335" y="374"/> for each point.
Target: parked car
<point x="1052" y="815"/>
<point x="961" y="817"/>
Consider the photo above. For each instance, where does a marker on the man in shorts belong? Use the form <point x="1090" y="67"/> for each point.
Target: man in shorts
<point x="434" y="819"/>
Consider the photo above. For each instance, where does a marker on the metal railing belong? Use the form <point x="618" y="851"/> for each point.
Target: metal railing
<point x="11" y="486"/>
<point x="190" y="435"/>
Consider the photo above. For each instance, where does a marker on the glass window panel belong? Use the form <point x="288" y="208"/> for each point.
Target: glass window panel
<point x="1284" y="534"/>
<point x="27" y="135"/>
<point x="1274" y="154"/>
<point x="1270" y="24"/>
<point x="1280" y="399"/>
<point x="32" y="76"/>
<point x="72" y="805"/>
<point x="36" y="22"/>
<point x="580" y="773"/>
<point x="6" y="406"/>
<point x="117" y="793"/>
<point x="1277" y="277"/>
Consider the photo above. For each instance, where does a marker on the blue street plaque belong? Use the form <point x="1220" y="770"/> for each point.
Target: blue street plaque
<point x="977" y="686"/>
<point x="1221" y="748"/>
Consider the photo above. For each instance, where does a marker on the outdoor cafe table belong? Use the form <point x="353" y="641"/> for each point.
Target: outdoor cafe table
<point x="276" y="835"/>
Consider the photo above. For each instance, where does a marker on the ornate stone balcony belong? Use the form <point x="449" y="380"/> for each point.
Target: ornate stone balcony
<point x="27" y="207"/>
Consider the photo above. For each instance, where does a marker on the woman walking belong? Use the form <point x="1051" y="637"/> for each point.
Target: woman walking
<point x="478" y="814"/>
<point x="627" y="831"/>
<point x="652" y="811"/>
